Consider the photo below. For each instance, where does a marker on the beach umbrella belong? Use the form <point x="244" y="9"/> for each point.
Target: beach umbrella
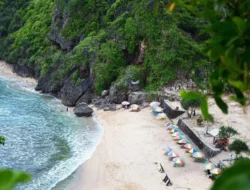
<point x="125" y="103"/>
<point x="188" y="146"/>
<point x="161" y="116"/>
<point x="155" y="104"/>
<point x="171" y="127"/>
<point x="182" y="141"/>
<point x="158" y="109"/>
<point x="168" y="124"/>
<point x="179" y="137"/>
<point x="175" y="134"/>
<point x="193" y="150"/>
<point x="198" y="155"/>
<point x="209" y="166"/>
<point x="178" y="161"/>
<point x="215" y="171"/>
<point x="175" y="130"/>
<point x="168" y="149"/>
<point x="172" y="154"/>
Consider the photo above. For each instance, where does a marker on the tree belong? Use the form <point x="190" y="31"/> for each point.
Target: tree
<point x="238" y="146"/>
<point x="227" y="132"/>
<point x="186" y="104"/>
<point x="228" y="47"/>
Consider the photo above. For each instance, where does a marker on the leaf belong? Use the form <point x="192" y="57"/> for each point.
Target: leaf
<point x="236" y="177"/>
<point x="222" y="105"/>
<point x="9" y="178"/>
<point x="198" y="96"/>
<point x="238" y="84"/>
<point x="171" y="7"/>
<point x="240" y="23"/>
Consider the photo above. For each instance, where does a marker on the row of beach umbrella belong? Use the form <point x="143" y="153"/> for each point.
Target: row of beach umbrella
<point x="181" y="139"/>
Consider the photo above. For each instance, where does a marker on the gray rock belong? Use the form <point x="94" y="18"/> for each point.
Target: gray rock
<point x="117" y="96"/>
<point x="110" y="107"/>
<point x="70" y="93"/>
<point x="83" y="110"/>
<point x="23" y="71"/>
<point x="144" y="105"/>
<point x="137" y="98"/>
<point x="105" y="93"/>
<point x="86" y="98"/>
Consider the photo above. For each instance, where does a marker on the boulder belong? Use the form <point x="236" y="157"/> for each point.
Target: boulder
<point x="23" y="71"/>
<point x="117" y="96"/>
<point x="135" y="108"/>
<point x="105" y="93"/>
<point x="144" y="105"/>
<point x="86" y="98"/>
<point x="83" y="110"/>
<point x="110" y="107"/>
<point x="70" y="93"/>
<point x="137" y="98"/>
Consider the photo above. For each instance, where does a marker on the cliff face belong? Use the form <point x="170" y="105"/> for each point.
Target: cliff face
<point x="78" y="48"/>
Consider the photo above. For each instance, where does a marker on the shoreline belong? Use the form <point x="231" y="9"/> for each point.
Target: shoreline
<point x="125" y="158"/>
<point x="6" y="71"/>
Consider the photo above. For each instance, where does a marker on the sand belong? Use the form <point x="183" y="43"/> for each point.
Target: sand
<point x="133" y="142"/>
<point x="125" y="159"/>
<point x="6" y="72"/>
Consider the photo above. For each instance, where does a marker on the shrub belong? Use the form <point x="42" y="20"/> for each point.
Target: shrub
<point x="238" y="146"/>
<point x="186" y="104"/>
<point x="227" y="132"/>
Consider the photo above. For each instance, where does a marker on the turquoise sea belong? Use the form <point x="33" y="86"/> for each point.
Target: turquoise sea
<point x="42" y="138"/>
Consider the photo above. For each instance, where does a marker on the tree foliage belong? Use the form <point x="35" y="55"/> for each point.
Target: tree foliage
<point x="227" y="132"/>
<point x="186" y="104"/>
<point x="9" y="179"/>
<point x="228" y="47"/>
<point x="235" y="177"/>
<point x="238" y="146"/>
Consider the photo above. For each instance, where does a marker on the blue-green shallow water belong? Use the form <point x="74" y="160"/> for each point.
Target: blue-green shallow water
<point x="42" y="138"/>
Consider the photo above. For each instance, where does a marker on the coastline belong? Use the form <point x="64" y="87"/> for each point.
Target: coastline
<point x="7" y="72"/>
<point x="124" y="159"/>
<point x="130" y="145"/>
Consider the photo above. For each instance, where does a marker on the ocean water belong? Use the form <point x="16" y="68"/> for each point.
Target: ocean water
<point x="42" y="138"/>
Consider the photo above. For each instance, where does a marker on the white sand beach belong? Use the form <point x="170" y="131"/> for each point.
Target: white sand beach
<point x="133" y="142"/>
<point x="125" y="158"/>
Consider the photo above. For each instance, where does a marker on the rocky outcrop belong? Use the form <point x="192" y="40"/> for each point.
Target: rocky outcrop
<point x="83" y="110"/>
<point x="23" y="71"/>
<point x="116" y="95"/>
<point x="86" y="97"/>
<point x="71" y="93"/>
<point x="110" y="107"/>
<point x="138" y="98"/>
<point x="44" y="85"/>
<point x="58" y="23"/>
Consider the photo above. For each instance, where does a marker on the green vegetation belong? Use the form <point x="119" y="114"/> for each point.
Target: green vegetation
<point x="9" y="179"/>
<point x="235" y="177"/>
<point x="227" y="132"/>
<point x="228" y="48"/>
<point x="238" y="146"/>
<point x="186" y="104"/>
<point x="104" y="35"/>
<point x="2" y="140"/>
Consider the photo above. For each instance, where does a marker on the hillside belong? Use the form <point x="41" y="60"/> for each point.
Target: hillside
<point x="78" y="48"/>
